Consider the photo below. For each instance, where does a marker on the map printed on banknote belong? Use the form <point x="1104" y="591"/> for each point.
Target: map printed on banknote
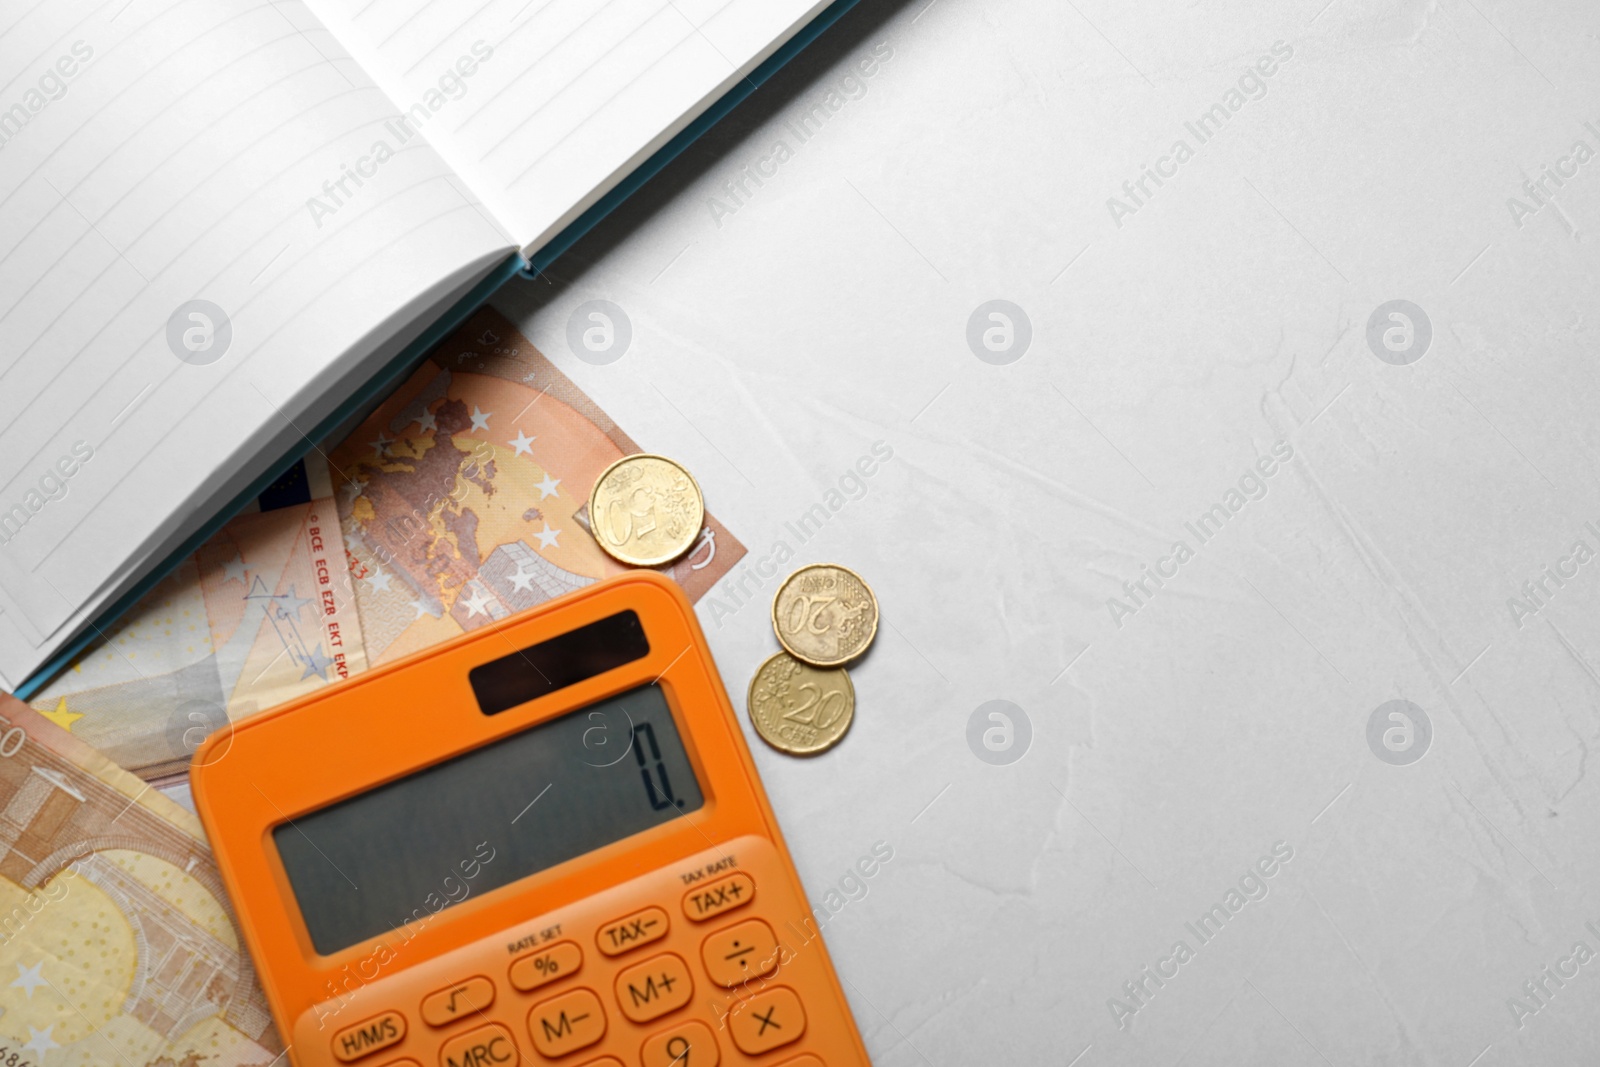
<point x="117" y="945"/>
<point x="464" y="498"/>
<point x="460" y="500"/>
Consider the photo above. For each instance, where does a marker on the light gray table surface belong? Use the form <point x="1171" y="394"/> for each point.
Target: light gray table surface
<point x="1184" y="732"/>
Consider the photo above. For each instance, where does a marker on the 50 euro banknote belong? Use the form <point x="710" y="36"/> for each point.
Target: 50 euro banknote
<point x="459" y="500"/>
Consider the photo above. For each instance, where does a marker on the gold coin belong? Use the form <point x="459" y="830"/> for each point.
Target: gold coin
<point x="825" y="614"/>
<point x="645" y="510"/>
<point x="798" y="708"/>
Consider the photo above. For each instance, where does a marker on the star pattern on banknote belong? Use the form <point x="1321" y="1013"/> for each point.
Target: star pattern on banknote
<point x="288" y="605"/>
<point x="427" y="423"/>
<point x="522" y="580"/>
<point x="480" y="419"/>
<point x="548" y="486"/>
<point x="40" y="1041"/>
<point x="523" y="443"/>
<point x="547" y="537"/>
<point x="381" y="445"/>
<point x="422" y="610"/>
<point x="379" y="579"/>
<point x="317" y="664"/>
<point x="30" y="978"/>
<point x="61" y="716"/>
<point x="234" y="570"/>
<point x="477" y="603"/>
<point x="352" y="489"/>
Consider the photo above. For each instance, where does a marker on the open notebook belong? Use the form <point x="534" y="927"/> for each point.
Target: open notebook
<point x="220" y="218"/>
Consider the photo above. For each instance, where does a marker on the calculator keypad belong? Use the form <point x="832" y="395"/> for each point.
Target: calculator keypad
<point x="615" y="981"/>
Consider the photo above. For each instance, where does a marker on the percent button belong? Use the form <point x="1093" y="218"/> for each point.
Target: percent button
<point x="548" y="964"/>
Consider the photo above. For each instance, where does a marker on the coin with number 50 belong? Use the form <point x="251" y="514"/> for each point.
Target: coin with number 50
<point x="646" y="510"/>
<point x="798" y="708"/>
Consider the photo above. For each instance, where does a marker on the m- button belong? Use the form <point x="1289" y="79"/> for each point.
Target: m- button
<point x="631" y="931"/>
<point x="767" y="1021"/>
<point x="725" y="894"/>
<point x="369" y="1035"/>
<point x="567" y="1023"/>
<point x="487" y="1046"/>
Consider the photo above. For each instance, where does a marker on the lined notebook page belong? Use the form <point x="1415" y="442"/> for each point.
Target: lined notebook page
<point x="543" y="105"/>
<point x="152" y="153"/>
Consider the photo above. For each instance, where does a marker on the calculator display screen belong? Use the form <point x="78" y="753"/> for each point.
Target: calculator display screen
<point x="408" y="849"/>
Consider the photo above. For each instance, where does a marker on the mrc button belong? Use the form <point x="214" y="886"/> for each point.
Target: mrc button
<point x="487" y="1046"/>
<point x="725" y="894"/>
<point x="368" y="1036"/>
<point x="631" y="931"/>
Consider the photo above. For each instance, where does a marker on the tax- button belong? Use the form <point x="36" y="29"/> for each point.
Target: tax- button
<point x="655" y="987"/>
<point x="689" y="1045"/>
<point x="631" y="931"/>
<point x="368" y="1036"/>
<point x="545" y="966"/>
<point x="487" y="1046"/>
<point x="741" y="952"/>
<point x="767" y="1020"/>
<point x="567" y="1023"/>
<point x="725" y="894"/>
<point x="460" y="1001"/>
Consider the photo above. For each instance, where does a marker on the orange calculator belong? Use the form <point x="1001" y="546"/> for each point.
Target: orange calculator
<point x="543" y="842"/>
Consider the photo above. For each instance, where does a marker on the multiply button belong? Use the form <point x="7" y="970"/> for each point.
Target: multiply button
<point x="767" y="1020"/>
<point x="545" y="966"/>
<point x="654" y="988"/>
<point x="460" y="1001"/>
<point x="741" y="952"/>
<point x="724" y="894"/>
<point x="689" y="1045"/>
<point x="631" y="931"/>
<point x="567" y="1023"/>
<point x="367" y="1037"/>
<point x="487" y="1046"/>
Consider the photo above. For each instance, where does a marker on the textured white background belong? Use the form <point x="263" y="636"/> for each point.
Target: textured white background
<point x="773" y="345"/>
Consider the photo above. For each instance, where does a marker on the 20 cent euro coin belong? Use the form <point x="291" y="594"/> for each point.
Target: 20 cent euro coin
<point x="800" y="709"/>
<point x="825" y="615"/>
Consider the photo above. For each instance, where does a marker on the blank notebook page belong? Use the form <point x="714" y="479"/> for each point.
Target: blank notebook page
<point x="544" y="105"/>
<point x="153" y="152"/>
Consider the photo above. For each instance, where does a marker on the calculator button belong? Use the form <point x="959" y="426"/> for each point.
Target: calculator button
<point x="603" y="1061"/>
<point x="725" y="894"/>
<point x="655" y="987"/>
<point x="631" y="931"/>
<point x="403" y="1063"/>
<point x="740" y="953"/>
<point x="767" y="1020"/>
<point x="807" y="1060"/>
<point x="487" y="1046"/>
<point x="545" y="966"/>
<point x="567" y="1023"/>
<point x="368" y="1036"/>
<point x="689" y="1045"/>
<point x="460" y="1001"/>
